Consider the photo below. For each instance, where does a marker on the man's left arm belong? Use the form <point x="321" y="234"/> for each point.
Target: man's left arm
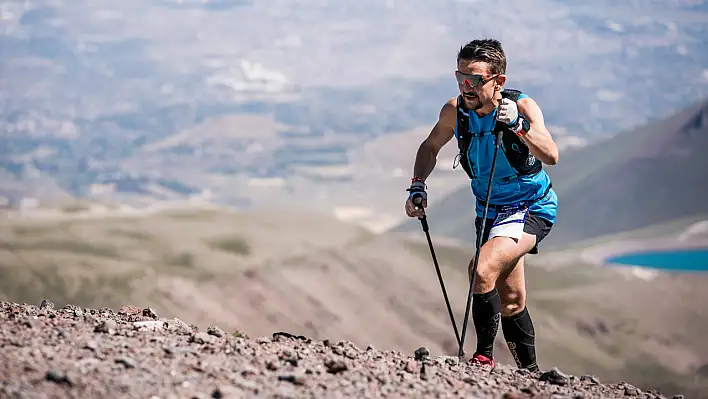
<point x="538" y="138"/>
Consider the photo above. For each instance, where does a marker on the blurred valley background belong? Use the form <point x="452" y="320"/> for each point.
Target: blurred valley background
<point x="244" y="163"/>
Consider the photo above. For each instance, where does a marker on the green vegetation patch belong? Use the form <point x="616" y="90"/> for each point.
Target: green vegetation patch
<point x="31" y="285"/>
<point x="69" y="246"/>
<point x="182" y="259"/>
<point x="232" y="244"/>
<point x="136" y="235"/>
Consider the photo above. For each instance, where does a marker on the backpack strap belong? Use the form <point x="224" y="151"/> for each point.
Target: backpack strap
<point x="511" y="94"/>
<point x="464" y="137"/>
<point x="515" y="150"/>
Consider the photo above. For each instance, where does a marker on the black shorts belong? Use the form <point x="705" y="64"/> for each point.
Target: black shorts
<point x="534" y="225"/>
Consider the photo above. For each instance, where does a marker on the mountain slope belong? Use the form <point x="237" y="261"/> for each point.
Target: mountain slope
<point x="304" y="274"/>
<point x="651" y="174"/>
<point x="133" y="353"/>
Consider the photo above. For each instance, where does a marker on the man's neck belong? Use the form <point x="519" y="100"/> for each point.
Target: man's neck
<point x="488" y="108"/>
<point x="484" y="111"/>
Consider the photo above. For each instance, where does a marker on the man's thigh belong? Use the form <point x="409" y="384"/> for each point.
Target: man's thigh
<point x="534" y="225"/>
<point x="497" y="256"/>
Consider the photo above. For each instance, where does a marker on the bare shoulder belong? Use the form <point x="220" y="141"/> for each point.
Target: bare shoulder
<point x="451" y="103"/>
<point x="448" y="113"/>
<point x="444" y="129"/>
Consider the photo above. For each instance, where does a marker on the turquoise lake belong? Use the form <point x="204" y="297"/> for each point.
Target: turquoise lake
<point x="676" y="260"/>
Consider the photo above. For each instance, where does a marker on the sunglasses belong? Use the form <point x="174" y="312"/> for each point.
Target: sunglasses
<point x="471" y="79"/>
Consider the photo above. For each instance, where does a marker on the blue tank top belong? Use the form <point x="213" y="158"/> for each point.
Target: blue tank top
<point x="507" y="186"/>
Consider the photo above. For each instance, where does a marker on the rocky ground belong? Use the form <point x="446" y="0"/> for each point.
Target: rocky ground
<point x="132" y="353"/>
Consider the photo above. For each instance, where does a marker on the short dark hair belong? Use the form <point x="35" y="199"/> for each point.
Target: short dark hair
<point x="486" y="50"/>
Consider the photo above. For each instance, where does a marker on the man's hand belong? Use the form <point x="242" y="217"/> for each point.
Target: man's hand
<point x="507" y="112"/>
<point x="417" y="191"/>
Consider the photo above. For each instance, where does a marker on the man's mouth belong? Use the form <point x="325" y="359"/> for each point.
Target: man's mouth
<point x="469" y="96"/>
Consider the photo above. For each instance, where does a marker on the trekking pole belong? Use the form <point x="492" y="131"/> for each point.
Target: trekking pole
<point x="417" y="200"/>
<point x="497" y="144"/>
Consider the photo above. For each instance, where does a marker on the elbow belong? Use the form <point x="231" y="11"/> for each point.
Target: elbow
<point x="552" y="158"/>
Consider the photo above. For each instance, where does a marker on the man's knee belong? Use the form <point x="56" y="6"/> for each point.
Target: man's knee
<point x="512" y="290"/>
<point x="489" y="268"/>
<point x="513" y="302"/>
<point x="485" y="276"/>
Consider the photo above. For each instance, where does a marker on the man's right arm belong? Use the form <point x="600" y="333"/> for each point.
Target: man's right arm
<point x="442" y="132"/>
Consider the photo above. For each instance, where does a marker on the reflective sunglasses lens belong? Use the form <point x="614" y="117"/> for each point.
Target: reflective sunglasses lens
<point x="472" y="80"/>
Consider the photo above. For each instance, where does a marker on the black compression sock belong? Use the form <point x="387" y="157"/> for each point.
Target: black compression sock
<point x="486" y="311"/>
<point x="519" y="335"/>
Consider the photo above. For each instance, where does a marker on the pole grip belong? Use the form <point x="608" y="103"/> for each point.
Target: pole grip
<point x="417" y="199"/>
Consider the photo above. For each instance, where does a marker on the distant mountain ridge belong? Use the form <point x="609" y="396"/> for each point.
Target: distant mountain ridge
<point x="87" y="86"/>
<point x="652" y="174"/>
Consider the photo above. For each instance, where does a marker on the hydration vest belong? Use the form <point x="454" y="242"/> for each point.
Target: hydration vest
<point x="520" y="159"/>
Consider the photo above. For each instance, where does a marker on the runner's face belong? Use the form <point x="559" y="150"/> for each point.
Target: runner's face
<point x="477" y="84"/>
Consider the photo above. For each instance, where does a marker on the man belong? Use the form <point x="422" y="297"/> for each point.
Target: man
<point x="522" y="206"/>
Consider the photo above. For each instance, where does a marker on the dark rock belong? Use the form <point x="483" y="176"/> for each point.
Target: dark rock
<point x="59" y="378"/>
<point x="555" y="377"/>
<point x="292" y="378"/>
<point x="421" y="353"/>
<point x="631" y="390"/>
<point x="126" y="361"/>
<point x="106" y="327"/>
<point x="149" y="312"/>
<point x="226" y="392"/>
<point x="46" y="305"/>
<point x="335" y="366"/>
<point x="279" y="336"/>
<point x="215" y="331"/>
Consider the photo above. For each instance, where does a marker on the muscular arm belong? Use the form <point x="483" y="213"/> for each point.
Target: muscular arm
<point x="442" y="132"/>
<point x="538" y="139"/>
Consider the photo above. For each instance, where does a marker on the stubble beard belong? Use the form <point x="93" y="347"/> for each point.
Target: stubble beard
<point x="472" y="103"/>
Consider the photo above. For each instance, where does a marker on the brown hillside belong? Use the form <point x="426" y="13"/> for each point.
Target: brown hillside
<point x="75" y="352"/>
<point x="283" y="271"/>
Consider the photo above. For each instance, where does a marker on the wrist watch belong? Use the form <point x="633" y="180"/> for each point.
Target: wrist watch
<point x="522" y="126"/>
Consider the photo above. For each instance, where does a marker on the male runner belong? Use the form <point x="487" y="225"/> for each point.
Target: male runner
<point x="522" y="206"/>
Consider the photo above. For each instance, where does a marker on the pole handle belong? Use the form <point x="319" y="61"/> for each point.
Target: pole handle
<point x="417" y="199"/>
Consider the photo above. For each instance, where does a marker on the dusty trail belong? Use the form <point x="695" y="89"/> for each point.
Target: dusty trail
<point x="92" y="353"/>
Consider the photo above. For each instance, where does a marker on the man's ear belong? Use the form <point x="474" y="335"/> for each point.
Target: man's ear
<point x="499" y="82"/>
